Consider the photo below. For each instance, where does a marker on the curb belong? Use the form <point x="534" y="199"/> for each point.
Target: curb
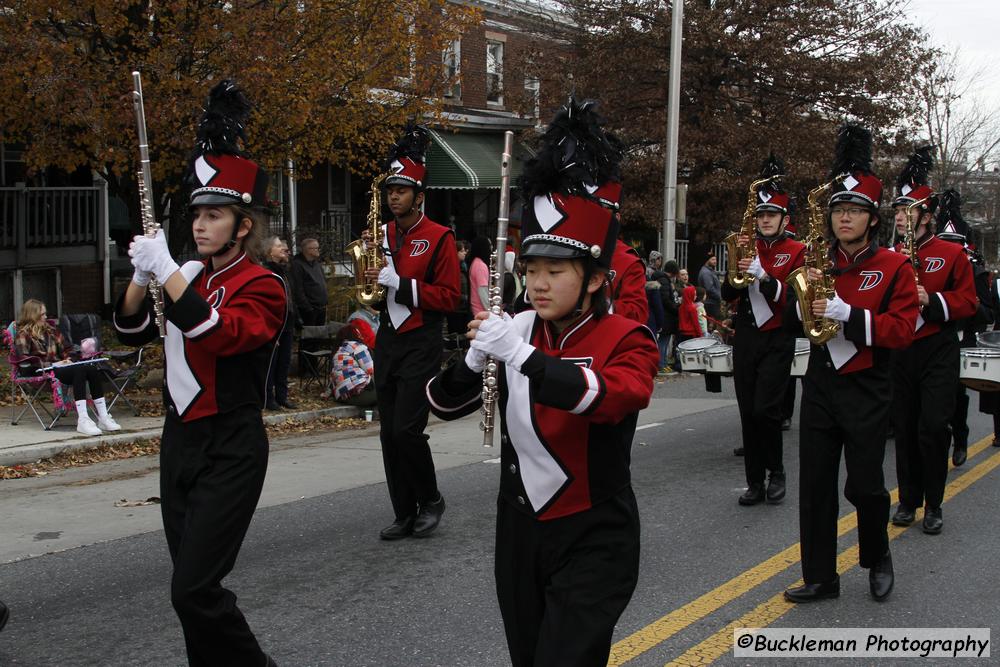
<point x="32" y="453"/>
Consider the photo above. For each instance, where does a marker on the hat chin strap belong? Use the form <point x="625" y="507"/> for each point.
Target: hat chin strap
<point x="231" y="243"/>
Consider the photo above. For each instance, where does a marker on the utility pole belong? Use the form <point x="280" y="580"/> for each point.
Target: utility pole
<point x="673" y="114"/>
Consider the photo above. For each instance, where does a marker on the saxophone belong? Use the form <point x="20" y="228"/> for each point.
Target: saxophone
<point x="367" y="254"/>
<point x="908" y="240"/>
<point x="817" y="256"/>
<point x="735" y="251"/>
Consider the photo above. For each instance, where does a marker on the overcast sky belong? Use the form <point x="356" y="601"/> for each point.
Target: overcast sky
<point x="972" y="27"/>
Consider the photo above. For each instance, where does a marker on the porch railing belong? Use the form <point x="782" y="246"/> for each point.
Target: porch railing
<point x="46" y="217"/>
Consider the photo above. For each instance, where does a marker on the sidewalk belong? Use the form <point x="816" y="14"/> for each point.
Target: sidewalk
<point x="28" y="441"/>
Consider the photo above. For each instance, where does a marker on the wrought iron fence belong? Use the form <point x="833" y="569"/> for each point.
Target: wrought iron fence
<point x="46" y="217"/>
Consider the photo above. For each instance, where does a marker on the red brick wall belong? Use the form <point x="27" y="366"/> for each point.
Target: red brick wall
<point x="82" y="288"/>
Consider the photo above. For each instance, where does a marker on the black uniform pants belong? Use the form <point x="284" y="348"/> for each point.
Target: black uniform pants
<point x="762" y="361"/>
<point x="404" y="364"/>
<point x="79" y="377"/>
<point x="788" y="405"/>
<point x="924" y="378"/>
<point x="959" y="420"/>
<point x="562" y="584"/>
<point x="849" y="412"/>
<point x="211" y="474"/>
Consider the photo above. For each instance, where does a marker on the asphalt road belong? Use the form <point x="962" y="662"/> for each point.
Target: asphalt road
<point x="319" y="588"/>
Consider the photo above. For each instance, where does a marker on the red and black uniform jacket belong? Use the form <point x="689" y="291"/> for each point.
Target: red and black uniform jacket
<point x="880" y="287"/>
<point x="762" y="304"/>
<point x="946" y="273"/>
<point x="220" y="336"/>
<point x="628" y="286"/>
<point x="568" y="418"/>
<point x="425" y="258"/>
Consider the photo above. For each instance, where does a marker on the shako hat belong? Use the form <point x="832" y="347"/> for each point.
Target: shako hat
<point x="951" y="226"/>
<point x="405" y="164"/>
<point x="772" y="196"/>
<point x="912" y="183"/>
<point x="853" y="157"/>
<point x="219" y="172"/>
<point x="572" y="189"/>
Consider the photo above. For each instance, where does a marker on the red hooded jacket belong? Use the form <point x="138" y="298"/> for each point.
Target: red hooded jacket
<point x="687" y="323"/>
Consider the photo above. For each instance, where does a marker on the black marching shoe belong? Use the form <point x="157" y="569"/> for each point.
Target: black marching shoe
<point x="933" y="521"/>
<point x="429" y="517"/>
<point x="903" y="516"/>
<point x="960" y="453"/>
<point x="776" y="487"/>
<point x="881" y="578"/>
<point x="753" y="495"/>
<point x="786" y="424"/>
<point x="996" y="442"/>
<point x="813" y="592"/>
<point x="399" y="529"/>
<point x="4" y="615"/>
<point x="287" y="404"/>
<point x="272" y="405"/>
<point x="738" y="451"/>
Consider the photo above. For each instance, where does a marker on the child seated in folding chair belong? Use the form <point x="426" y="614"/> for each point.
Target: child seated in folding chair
<point x="352" y="368"/>
<point x="36" y="337"/>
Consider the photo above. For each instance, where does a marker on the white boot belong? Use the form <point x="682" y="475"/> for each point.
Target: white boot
<point x="84" y="424"/>
<point x="104" y="419"/>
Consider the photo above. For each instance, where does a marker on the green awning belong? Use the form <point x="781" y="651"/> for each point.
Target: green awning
<point x="469" y="161"/>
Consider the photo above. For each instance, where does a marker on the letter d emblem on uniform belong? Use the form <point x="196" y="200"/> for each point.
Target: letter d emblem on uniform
<point x="781" y="259"/>
<point x="419" y="247"/>
<point x="869" y="279"/>
<point x="932" y="264"/>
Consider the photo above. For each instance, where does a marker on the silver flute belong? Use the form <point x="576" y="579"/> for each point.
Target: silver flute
<point x="490" y="387"/>
<point x="145" y="180"/>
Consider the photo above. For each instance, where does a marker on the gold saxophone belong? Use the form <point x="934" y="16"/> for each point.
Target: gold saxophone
<point x="908" y="240"/>
<point x="735" y="251"/>
<point x="367" y="254"/>
<point x="817" y="256"/>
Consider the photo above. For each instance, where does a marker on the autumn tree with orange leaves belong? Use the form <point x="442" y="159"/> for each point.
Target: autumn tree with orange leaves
<point x="331" y="80"/>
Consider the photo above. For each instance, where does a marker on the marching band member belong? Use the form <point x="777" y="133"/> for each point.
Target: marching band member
<point x="763" y="349"/>
<point x="951" y="226"/>
<point x="572" y="380"/>
<point x="846" y="389"/>
<point x="422" y="281"/>
<point x="628" y="283"/>
<point x="925" y="375"/>
<point x="223" y="315"/>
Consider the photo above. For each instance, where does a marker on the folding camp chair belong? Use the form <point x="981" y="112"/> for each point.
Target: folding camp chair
<point x="123" y="368"/>
<point x="30" y="384"/>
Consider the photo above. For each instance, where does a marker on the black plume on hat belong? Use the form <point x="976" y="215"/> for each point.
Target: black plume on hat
<point x="411" y="144"/>
<point x="575" y="152"/>
<point x="853" y="152"/>
<point x="917" y="169"/>
<point x="773" y="166"/>
<point x="223" y="123"/>
<point x="949" y="217"/>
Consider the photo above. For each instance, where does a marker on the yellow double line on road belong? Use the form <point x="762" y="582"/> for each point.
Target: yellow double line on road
<point x="718" y="644"/>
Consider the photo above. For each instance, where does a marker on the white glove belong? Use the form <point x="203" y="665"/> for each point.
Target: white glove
<point x="388" y="277"/>
<point x="475" y="360"/>
<point x="152" y="256"/>
<point x="837" y="309"/>
<point x="498" y="338"/>
<point x="756" y="270"/>
<point x="141" y="278"/>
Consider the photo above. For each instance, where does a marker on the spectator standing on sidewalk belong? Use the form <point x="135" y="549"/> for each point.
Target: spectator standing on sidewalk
<point x="309" y="283"/>
<point x="671" y="300"/>
<point x="709" y="279"/>
<point x="277" y="260"/>
<point x="458" y="320"/>
<point x="479" y="275"/>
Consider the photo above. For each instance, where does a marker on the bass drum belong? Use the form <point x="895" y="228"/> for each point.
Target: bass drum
<point x="800" y="362"/>
<point x="979" y="368"/>
<point x="718" y="359"/>
<point x="690" y="353"/>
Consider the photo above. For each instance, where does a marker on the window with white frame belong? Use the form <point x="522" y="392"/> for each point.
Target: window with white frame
<point x="533" y="88"/>
<point x="453" y="69"/>
<point x="494" y="72"/>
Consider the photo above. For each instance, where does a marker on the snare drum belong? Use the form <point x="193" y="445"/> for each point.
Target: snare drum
<point x="979" y="368"/>
<point x="800" y="362"/>
<point x="718" y="359"/>
<point x="690" y="353"/>
<point x="988" y="339"/>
